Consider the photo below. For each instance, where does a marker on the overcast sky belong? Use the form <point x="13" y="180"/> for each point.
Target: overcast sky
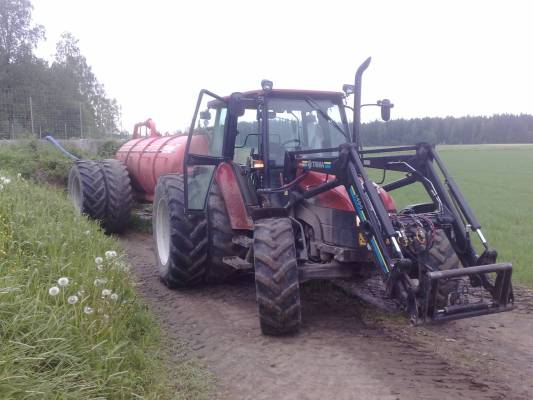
<point x="430" y="58"/>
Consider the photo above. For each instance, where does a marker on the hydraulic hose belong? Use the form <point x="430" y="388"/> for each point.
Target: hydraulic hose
<point x="58" y="146"/>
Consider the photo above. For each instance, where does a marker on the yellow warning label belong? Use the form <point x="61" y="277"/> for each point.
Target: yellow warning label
<point x="362" y="241"/>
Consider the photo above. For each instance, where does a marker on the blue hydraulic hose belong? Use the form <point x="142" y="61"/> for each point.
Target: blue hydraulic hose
<point x="58" y="146"/>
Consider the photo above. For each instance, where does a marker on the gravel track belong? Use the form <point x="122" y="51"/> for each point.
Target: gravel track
<point x="345" y="350"/>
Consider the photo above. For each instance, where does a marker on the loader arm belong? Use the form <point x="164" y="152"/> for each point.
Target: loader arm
<point x="382" y="234"/>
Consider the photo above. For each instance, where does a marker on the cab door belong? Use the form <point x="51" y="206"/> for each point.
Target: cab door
<point x="204" y="149"/>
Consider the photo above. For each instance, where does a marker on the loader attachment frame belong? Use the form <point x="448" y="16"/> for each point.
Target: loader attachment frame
<point x="448" y="210"/>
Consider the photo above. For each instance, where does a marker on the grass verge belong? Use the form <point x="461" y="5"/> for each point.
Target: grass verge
<point x="86" y="336"/>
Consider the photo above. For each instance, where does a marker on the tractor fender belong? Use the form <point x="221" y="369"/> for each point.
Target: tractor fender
<point x="233" y="200"/>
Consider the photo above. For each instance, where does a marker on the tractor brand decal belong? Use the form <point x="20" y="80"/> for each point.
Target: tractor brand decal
<point x="373" y="243"/>
<point x="308" y="164"/>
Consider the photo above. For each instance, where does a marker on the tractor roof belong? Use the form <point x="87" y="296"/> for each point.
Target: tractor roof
<point x="296" y="93"/>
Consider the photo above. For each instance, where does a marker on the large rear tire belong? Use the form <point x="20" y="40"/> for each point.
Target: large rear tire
<point x="119" y="198"/>
<point x="276" y="277"/>
<point x="87" y="189"/>
<point x="181" y="241"/>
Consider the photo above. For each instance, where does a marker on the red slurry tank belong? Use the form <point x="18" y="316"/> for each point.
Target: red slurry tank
<point x="150" y="156"/>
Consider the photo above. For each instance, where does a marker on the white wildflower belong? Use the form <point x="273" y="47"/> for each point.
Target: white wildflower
<point x="106" y="317"/>
<point x="98" y="260"/>
<point x="88" y="310"/>
<point x="114" y="297"/>
<point x="106" y="292"/>
<point x="100" y="281"/>
<point x="63" y="281"/>
<point x="87" y="233"/>
<point x="53" y="291"/>
<point x="72" y="299"/>
<point x="5" y="180"/>
<point x="110" y="254"/>
<point x="19" y="175"/>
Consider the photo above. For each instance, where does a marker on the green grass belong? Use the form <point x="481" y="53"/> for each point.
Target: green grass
<point x="497" y="181"/>
<point x="39" y="160"/>
<point x="50" y="349"/>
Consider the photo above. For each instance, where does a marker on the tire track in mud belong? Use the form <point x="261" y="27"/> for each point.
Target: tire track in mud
<point x="342" y="352"/>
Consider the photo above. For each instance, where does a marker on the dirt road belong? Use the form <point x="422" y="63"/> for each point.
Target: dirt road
<point x="343" y="351"/>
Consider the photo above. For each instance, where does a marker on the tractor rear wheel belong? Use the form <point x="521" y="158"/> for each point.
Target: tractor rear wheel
<point x="181" y="241"/>
<point x="119" y="198"/>
<point x="220" y="237"/>
<point x="276" y="276"/>
<point x="442" y="257"/>
<point x="87" y="189"/>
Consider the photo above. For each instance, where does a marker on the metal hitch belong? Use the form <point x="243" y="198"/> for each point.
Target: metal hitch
<point x="489" y="298"/>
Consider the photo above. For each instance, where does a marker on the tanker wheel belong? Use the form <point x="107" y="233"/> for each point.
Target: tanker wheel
<point x="276" y="276"/>
<point x="119" y="198"/>
<point x="442" y="257"/>
<point x="181" y="240"/>
<point x="87" y="189"/>
<point x="220" y="238"/>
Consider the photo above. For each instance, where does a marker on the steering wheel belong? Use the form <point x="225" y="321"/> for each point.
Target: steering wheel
<point x="298" y="142"/>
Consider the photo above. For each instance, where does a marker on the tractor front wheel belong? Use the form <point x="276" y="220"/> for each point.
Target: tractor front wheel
<point x="276" y="276"/>
<point x="181" y="241"/>
<point x="442" y="257"/>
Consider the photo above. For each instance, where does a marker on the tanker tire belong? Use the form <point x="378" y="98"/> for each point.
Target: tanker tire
<point x="87" y="189"/>
<point x="181" y="241"/>
<point x="220" y="238"/>
<point x="119" y="198"/>
<point x="442" y="257"/>
<point x="276" y="277"/>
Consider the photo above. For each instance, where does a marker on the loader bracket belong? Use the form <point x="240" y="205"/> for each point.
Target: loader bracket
<point x="500" y="299"/>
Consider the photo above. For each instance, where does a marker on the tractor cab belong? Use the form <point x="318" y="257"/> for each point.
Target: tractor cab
<point x="256" y="129"/>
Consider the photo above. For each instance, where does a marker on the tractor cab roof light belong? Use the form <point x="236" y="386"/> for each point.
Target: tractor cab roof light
<point x="267" y="85"/>
<point x="348" y="89"/>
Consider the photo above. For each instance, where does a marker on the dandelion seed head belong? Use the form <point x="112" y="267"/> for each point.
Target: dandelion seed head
<point x="110" y="254"/>
<point x="99" y="267"/>
<point x="98" y="260"/>
<point x="88" y="310"/>
<point x="106" y="292"/>
<point x="53" y="291"/>
<point x="114" y="297"/>
<point x="63" y="281"/>
<point x="87" y="233"/>
<point x="72" y="299"/>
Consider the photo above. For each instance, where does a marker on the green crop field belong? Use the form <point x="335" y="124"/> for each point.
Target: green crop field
<point x="497" y="181"/>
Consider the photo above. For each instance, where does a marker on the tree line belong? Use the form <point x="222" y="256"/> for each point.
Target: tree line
<point x="49" y="95"/>
<point x="502" y="128"/>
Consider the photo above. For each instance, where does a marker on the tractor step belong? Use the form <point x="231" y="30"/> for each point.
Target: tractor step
<point x="237" y="263"/>
<point x="243" y="241"/>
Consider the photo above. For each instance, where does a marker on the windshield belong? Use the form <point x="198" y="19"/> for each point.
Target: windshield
<point x="303" y="124"/>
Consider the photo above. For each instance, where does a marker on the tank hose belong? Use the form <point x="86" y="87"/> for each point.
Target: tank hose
<point x="58" y="146"/>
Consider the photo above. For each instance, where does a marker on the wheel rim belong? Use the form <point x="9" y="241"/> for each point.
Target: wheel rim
<point x="74" y="191"/>
<point x="162" y="231"/>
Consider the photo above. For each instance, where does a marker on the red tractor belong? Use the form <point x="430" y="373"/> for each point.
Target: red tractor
<point x="275" y="182"/>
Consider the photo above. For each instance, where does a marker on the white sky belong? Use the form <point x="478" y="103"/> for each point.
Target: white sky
<point x="430" y="58"/>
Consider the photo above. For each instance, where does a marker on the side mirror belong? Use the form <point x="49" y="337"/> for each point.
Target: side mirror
<point x="385" y="105"/>
<point x="205" y="115"/>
